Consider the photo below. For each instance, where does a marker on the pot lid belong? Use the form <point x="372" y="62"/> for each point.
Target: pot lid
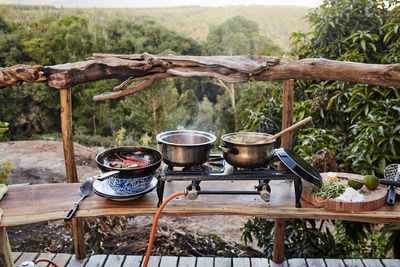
<point x="299" y="166"/>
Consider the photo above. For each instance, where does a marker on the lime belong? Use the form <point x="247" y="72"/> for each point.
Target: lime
<point x="371" y="181"/>
<point x="356" y="184"/>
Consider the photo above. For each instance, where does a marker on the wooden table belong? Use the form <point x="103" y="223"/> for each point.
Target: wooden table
<point x="39" y="203"/>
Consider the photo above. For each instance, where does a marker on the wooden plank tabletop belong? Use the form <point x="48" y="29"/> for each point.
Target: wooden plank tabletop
<point x="37" y="203"/>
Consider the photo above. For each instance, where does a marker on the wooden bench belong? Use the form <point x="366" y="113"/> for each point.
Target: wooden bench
<point x="46" y="202"/>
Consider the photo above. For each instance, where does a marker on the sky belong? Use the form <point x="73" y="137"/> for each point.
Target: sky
<point x="162" y="3"/>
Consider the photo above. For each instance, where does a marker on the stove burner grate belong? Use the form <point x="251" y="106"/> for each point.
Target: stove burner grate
<point x="218" y="169"/>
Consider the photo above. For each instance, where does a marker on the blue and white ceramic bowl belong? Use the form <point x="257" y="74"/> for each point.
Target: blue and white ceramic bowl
<point x="129" y="185"/>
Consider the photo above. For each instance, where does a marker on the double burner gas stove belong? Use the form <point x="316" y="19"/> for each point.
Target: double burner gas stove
<point x="217" y="169"/>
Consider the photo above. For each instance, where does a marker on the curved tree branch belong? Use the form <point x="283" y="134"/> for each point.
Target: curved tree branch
<point x="232" y="69"/>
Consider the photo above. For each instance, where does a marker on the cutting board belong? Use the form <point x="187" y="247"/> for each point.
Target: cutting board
<point x="372" y="200"/>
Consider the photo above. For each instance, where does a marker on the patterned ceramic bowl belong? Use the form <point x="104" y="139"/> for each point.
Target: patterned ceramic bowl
<point x="129" y="185"/>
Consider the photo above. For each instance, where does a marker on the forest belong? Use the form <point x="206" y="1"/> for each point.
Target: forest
<point x="355" y="127"/>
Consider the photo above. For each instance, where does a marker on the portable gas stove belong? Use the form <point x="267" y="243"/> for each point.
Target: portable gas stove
<point x="218" y="169"/>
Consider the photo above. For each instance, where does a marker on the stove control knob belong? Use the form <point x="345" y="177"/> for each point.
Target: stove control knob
<point x="192" y="194"/>
<point x="265" y="195"/>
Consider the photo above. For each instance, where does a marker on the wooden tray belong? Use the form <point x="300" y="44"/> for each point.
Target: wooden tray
<point x="372" y="200"/>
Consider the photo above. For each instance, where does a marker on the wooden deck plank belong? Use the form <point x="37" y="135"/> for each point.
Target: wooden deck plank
<point x="187" y="262"/>
<point x="74" y="262"/>
<point x="169" y="261"/>
<point x="26" y="256"/>
<point x="372" y="263"/>
<point x="30" y="209"/>
<point x="154" y="261"/>
<point x="283" y="264"/>
<point x="62" y="259"/>
<point x="241" y="262"/>
<point x="315" y="262"/>
<point x="205" y="262"/>
<point x="353" y="262"/>
<point x="48" y="256"/>
<point x="297" y="262"/>
<point x="259" y="262"/>
<point x="96" y="260"/>
<point x="223" y="262"/>
<point x="391" y="262"/>
<point x="133" y="261"/>
<point x="114" y="261"/>
<point x="15" y="256"/>
<point x="334" y="263"/>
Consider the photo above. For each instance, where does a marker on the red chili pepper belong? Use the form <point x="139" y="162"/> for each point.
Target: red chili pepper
<point x="130" y="160"/>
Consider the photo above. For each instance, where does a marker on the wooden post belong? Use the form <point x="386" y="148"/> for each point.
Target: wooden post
<point x="286" y="142"/>
<point x="5" y="249"/>
<point x="287" y="112"/>
<point x="66" y="128"/>
<point x="70" y="166"/>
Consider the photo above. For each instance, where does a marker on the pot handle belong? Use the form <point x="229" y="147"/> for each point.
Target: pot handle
<point x="231" y="150"/>
<point x="391" y="196"/>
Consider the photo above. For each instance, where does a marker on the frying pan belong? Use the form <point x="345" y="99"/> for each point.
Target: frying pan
<point x="152" y="156"/>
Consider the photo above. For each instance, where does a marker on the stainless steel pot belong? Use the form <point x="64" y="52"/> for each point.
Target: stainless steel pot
<point x="185" y="147"/>
<point x="240" y="149"/>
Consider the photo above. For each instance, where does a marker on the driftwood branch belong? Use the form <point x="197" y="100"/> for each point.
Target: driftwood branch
<point x="231" y="69"/>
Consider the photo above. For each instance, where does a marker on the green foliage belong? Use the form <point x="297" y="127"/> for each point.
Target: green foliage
<point x="391" y="235"/>
<point x="5" y="169"/>
<point x="266" y="117"/>
<point x="277" y="22"/>
<point x="308" y="239"/>
<point x="34" y="108"/>
<point x="239" y="36"/>
<point x="3" y="129"/>
<point x="311" y="140"/>
<point x="364" y="118"/>
<point x="120" y="136"/>
<point x="10" y="47"/>
<point x="51" y="41"/>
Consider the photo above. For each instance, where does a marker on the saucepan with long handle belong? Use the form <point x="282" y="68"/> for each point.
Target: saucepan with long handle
<point x="252" y="149"/>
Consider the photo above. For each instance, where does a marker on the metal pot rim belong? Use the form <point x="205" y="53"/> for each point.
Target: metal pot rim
<point x="227" y="136"/>
<point x="211" y="138"/>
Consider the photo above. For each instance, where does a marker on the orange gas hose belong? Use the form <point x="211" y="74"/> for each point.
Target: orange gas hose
<point x="46" y="260"/>
<point x="153" y="229"/>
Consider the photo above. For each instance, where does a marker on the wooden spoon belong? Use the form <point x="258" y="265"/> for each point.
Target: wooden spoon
<point x="291" y="128"/>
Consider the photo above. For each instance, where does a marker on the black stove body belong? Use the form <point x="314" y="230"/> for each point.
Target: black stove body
<point x="216" y="169"/>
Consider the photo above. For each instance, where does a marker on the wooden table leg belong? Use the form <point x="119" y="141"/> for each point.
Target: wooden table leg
<point x="5" y="249"/>
<point x="279" y="241"/>
<point x="70" y="165"/>
<point x="79" y="240"/>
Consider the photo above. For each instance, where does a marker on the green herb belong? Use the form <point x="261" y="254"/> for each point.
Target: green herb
<point x="331" y="189"/>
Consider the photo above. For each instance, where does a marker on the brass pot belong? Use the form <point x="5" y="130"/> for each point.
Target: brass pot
<point x="242" y="150"/>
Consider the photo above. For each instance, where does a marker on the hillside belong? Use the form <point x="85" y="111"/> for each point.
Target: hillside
<point x="278" y="22"/>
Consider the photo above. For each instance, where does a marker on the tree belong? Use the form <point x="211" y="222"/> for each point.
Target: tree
<point x="54" y="42"/>
<point x="10" y="48"/>
<point x="237" y="36"/>
<point x="365" y="118"/>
